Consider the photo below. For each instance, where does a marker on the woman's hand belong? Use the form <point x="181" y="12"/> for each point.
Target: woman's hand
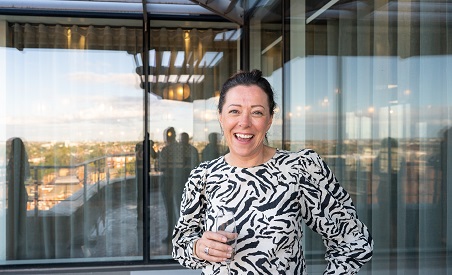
<point x="212" y="247"/>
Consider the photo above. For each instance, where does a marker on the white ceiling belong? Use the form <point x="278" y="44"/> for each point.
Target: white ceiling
<point x="229" y="9"/>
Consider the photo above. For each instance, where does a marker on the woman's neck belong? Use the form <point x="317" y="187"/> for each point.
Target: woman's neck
<point x="247" y="162"/>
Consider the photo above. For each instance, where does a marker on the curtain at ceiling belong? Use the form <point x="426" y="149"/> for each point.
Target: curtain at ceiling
<point x="76" y="37"/>
<point x="194" y="60"/>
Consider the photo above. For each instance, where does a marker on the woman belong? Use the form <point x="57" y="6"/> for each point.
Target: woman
<point x="271" y="192"/>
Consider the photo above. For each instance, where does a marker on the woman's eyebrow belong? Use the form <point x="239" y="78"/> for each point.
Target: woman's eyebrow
<point x="239" y="105"/>
<point x="234" y="105"/>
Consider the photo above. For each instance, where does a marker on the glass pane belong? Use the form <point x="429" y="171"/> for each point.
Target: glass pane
<point x="266" y="42"/>
<point x="71" y="117"/>
<point x="367" y="85"/>
<point x="188" y="68"/>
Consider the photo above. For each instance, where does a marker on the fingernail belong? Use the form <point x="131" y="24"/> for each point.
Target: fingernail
<point x="229" y="255"/>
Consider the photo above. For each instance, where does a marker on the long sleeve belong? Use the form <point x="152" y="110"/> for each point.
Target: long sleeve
<point x="191" y="223"/>
<point x="328" y="210"/>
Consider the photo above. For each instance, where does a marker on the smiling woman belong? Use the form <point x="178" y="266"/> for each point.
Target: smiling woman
<point x="245" y="117"/>
<point x="270" y="192"/>
<point x="88" y="84"/>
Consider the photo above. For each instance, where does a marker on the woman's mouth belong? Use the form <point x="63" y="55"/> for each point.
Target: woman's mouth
<point x="244" y="137"/>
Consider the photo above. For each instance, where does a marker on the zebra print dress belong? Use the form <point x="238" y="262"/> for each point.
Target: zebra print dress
<point x="270" y="202"/>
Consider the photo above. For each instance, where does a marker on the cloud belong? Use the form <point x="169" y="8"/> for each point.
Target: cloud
<point x="91" y="78"/>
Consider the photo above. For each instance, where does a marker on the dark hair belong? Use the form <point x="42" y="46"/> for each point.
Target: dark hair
<point x="169" y="134"/>
<point x="213" y="138"/>
<point x="248" y="79"/>
<point x="184" y="138"/>
<point x="389" y="141"/>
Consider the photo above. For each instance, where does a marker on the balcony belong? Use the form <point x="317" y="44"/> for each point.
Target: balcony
<point x="90" y="210"/>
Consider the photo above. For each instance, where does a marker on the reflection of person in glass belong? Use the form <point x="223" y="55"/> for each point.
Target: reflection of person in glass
<point x="168" y="164"/>
<point x="191" y="158"/>
<point x="190" y="153"/>
<point x="139" y="157"/>
<point x="175" y="161"/>
<point x="17" y="172"/>
<point x="212" y="150"/>
<point x="271" y="191"/>
<point x="387" y="165"/>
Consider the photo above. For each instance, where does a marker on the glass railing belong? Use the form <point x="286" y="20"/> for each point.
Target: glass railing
<point x="51" y="185"/>
<point x="71" y="210"/>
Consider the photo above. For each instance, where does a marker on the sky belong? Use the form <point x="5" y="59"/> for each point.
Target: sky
<point x="81" y="95"/>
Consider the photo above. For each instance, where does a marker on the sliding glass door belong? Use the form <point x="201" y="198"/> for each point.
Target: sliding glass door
<point x="366" y="84"/>
<point x="71" y="120"/>
<point x="187" y="68"/>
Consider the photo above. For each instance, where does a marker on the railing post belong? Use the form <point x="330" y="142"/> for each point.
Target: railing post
<point x="125" y="168"/>
<point x="85" y="176"/>
<point x="36" y="196"/>
<point x="85" y="206"/>
<point x="107" y="170"/>
<point x="98" y="174"/>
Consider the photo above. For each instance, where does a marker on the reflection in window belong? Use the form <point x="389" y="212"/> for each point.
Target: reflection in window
<point x="75" y="98"/>
<point x="367" y="87"/>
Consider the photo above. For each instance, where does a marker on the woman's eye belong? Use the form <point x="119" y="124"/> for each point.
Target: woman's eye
<point x="259" y="113"/>
<point x="233" y="111"/>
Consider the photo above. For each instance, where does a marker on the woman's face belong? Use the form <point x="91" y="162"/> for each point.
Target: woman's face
<point x="245" y="119"/>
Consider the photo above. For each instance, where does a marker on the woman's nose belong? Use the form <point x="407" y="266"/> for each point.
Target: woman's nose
<point x="245" y="120"/>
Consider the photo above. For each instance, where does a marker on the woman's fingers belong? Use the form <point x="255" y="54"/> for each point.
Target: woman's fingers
<point x="215" y="236"/>
<point x="212" y="247"/>
<point x="229" y="235"/>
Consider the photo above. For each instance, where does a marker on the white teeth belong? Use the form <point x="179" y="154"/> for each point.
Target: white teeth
<point x="244" y="136"/>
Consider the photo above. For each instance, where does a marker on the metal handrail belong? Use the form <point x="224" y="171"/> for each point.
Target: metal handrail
<point x="89" y="173"/>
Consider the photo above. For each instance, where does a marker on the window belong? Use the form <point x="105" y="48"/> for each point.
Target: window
<point x="71" y="180"/>
<point x="366" y="85"/>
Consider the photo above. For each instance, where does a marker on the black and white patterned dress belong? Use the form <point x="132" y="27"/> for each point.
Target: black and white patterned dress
<point x="270" y="202"/>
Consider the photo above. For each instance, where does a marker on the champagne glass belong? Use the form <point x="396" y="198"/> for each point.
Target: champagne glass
<point x="225" y="225"/>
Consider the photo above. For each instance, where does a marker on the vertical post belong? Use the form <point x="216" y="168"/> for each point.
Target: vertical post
<point x="85" y="205"/>
<point x="285" y="71"/>
<point x="98" y="162"/>
<point x="36" y="195"/>
<point x="146" y="144"/>
<point x="245" y="44"/>
<point x="3" y="83"/>
<point x="107" y="168"/>
<point x="85" y="175"/>
<point x="125" y="168"/>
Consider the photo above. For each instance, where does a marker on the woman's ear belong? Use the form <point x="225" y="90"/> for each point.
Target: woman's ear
<point x="270" y="122"/>
<point x="219" y="120"/>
